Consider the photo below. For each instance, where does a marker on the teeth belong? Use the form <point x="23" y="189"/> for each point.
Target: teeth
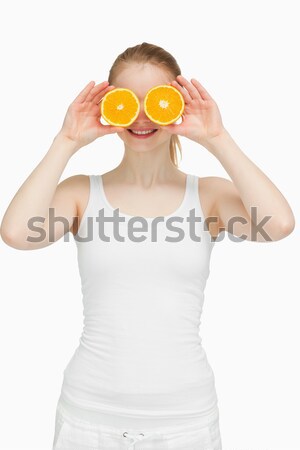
<point x="142" y="132"/>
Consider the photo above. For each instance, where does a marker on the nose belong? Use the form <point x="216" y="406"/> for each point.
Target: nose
<point x="142" y="118"/>
<point x="142" y="115"/>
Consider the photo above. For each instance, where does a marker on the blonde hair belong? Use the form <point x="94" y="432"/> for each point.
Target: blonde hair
<point x="152" y="54"/>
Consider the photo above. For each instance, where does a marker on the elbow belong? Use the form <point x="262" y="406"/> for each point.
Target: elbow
<point x="6" y="233"/>
<point x="7" y="238"/>
<point x="11" y="239"/>
<point x="288" y="227"/>
<point x="285" y="228"/>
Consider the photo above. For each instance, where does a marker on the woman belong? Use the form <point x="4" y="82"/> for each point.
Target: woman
<point x="140" y="378"/>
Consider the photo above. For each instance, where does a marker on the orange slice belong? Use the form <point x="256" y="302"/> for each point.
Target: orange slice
<point x="163" y="104"/>
<point x="120" y="107"/>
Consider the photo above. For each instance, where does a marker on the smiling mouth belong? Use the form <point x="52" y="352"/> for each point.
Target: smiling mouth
<point x="143" y="133"/>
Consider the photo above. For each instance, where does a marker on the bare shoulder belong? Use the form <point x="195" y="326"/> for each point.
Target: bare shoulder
<point x="209" y="191"/>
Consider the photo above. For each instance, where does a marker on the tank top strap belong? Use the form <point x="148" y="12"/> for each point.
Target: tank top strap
<point x="194" y="202"/>
<point x="92" y="205"/>
<point x="94" y="186"/>
<point x="94" y="193"/>
<point x="98" y="198"/>
<point x="192" y="197"/>
<point x="95" y="201"/>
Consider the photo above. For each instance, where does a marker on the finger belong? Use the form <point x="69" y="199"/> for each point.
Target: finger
<point x="82" y="95"/>
<point x="203" y="92"/>
<point x="108" y="129"/>
<point x="95" y="91"/>
<point x="189" y="87"/>
<point x="186" y="96"/>
<point x="101" y="94"/>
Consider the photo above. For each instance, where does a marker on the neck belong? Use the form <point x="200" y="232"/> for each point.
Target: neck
<point x="147" y="167"/>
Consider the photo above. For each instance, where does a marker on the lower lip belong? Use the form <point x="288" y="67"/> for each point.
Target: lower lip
<point x="142" y="136"/>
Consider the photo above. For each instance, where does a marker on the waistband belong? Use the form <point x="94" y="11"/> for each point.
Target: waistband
<point x="133" y="420"/>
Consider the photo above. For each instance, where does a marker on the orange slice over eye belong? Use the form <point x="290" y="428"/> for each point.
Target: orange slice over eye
<point x="120" y="107"/>
<point x="164" y="104"/>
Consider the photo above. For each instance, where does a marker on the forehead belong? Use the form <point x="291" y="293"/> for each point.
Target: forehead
<point x="141" y="77"/>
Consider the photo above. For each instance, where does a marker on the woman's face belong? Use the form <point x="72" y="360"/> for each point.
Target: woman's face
<point x="140" y="78"/>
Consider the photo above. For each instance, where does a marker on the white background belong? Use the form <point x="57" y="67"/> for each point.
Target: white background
<point x="246" y="56"/>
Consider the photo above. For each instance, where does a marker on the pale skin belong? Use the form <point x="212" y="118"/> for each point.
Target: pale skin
<point x="146" y="182"/>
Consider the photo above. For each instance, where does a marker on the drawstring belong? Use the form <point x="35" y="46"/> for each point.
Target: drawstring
<point x="140" y="437"/>
<point x="135" y="438"/>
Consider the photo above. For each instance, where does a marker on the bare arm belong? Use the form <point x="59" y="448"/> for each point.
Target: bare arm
<point x="32" y="200"/>
<point x="250" y="189"/>
<point x="40" y="195"/>
<point x="250" y="201"/>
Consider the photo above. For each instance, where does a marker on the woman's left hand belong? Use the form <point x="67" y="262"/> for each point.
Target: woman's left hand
<point x="201" y="119"/>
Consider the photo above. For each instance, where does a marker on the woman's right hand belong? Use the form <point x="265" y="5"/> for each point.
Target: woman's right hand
<point x="82" y="122"/>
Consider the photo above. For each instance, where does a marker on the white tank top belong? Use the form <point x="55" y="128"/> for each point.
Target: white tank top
<point x="140" y="352"/>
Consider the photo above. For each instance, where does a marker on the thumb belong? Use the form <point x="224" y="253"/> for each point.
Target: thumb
<point x="113" y="129"/>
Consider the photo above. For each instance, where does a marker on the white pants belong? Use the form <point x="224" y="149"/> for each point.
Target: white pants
<point x="75" y="434"/>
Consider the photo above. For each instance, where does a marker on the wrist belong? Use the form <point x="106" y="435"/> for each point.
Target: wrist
<point x="216" y="144"/>
<point x="67" y="144"/>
